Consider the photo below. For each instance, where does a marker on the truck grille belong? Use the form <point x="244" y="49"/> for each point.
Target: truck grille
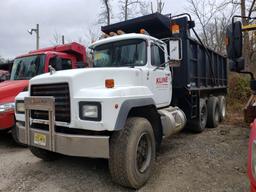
<point x="60" y="92"/>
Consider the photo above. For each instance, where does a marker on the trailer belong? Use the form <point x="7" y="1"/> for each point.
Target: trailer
<point x="149" y="79"/>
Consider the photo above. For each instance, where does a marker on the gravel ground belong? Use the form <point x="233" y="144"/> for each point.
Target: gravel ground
<point x="213" y="161"/>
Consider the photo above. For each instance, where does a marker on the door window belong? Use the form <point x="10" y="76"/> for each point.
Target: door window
<point x="60" y="63"/>
<point x="157" y="55"/>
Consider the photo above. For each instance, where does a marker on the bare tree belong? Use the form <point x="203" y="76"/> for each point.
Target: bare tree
<point x="130" y="8"/>
<point x="92" y="34"/>
<point x="56" y="39"/>
<point x="159" y="6"/>
<point x="213" y="17"/>
<point x="105" y="15"/>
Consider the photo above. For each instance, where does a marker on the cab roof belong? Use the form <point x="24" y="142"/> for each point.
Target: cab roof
<point x="122" y="37"/>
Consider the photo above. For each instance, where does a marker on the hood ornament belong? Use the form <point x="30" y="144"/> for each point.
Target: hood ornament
<point x="52" y="70"/>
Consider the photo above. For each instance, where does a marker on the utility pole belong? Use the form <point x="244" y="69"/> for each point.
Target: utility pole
<point x="37" y="36"/>
<point x="36" y="30"/>
<point x="63" y="39"/>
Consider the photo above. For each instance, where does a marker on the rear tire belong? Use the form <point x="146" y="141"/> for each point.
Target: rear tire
<point x="132" y="153"/>
<point x="213" y="112"/>
<point x="198" y="125"/>
<point x="44" y="154"/>
<point x="222" y="103"/>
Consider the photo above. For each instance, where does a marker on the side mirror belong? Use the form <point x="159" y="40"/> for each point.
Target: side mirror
<point x="175" y="52"/>
<point x="234" y="40"/>
<point x="234" y="45"/>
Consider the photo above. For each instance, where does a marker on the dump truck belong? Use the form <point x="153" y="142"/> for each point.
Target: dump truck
<point x="149" y="80"/>
<point x="61" y="57"/>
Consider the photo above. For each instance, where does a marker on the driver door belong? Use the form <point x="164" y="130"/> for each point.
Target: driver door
<point x="160" y="76"/>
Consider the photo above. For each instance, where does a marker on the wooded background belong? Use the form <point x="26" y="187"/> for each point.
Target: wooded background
<point x="211" y="17"/>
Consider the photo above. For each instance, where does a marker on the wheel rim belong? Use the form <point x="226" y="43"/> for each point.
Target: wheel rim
<point x="216" y="115"/>
<point x="203" y="116"/>
<point x="143" y="153"/>
<point x="223" y="110"/>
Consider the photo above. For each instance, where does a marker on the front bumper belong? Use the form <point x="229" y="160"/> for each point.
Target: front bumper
<point x="7" y="120"/>
<point x="67" y="144"/>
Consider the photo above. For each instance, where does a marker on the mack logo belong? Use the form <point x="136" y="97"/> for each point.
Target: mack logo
<point x="161" y="80"/>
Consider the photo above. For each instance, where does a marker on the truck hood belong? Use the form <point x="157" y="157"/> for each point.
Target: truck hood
<point x="92" y="77"/>
<point x="10" y="89"/>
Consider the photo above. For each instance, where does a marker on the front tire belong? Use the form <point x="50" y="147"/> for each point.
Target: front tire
<point x="44" y="154"/>
<point x="132" y="153"/>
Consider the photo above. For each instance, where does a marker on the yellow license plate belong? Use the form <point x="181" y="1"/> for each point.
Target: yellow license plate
<point x="40" y="139"/>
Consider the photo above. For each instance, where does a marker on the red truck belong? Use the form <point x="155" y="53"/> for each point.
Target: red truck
<point x="62" y="57"/>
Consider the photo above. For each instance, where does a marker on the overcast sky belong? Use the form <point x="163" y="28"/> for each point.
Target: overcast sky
<point x="71" y="18"/>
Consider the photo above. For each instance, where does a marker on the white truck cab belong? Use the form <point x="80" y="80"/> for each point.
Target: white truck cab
<point x="119" y="109"/>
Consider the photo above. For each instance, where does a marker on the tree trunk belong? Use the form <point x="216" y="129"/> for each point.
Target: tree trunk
<point x="108" y="11"/>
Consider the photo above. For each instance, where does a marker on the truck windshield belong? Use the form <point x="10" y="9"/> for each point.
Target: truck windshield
<point x="121" y="54"/>
<point x="27" y="67"/>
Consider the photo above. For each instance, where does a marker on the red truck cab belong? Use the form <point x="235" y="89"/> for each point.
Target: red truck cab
<point x="62" y="57"/>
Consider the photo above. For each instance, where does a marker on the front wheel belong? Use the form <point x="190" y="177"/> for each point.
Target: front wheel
<point x="132" y="153"/>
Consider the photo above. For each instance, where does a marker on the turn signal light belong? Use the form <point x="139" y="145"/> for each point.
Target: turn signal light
<point x="143" y="31"/>
<point x="109" y="83"/>
<point x="175" y="28"/>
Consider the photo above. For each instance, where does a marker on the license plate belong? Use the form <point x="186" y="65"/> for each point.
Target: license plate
<point x="40" y="139"/>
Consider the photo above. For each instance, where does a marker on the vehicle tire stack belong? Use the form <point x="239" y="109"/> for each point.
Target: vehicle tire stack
<point x="212" y="112"/>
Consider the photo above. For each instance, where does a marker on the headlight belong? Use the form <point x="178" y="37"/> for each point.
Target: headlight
<point x="20" y="107"/>
<point x="90" y="111"/>
<point x="254" y="159"/>
<point x="5" y="107"/>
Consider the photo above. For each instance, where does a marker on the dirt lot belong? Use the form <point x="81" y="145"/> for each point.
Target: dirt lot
<point x="215" y="160"/>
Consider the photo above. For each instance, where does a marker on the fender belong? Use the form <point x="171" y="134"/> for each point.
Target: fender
<point x="127" y="106"/>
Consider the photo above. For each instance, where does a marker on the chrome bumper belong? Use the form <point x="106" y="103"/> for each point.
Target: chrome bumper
<point x="67" y="144"/>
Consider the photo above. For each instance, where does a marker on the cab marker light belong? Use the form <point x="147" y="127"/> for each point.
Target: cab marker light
<point x="109" y="83"/>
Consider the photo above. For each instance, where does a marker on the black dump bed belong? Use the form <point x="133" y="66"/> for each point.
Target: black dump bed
<point x="201" y="72"/>
<point x="157" y="25"/>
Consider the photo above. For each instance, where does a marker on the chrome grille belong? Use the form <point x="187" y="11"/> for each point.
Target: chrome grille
<point x="60" y="92"/>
